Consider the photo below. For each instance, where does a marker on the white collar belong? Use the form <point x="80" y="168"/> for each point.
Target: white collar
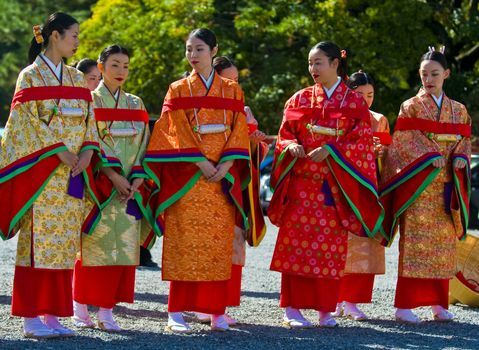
<point x="329" y="92"/>
<point x="209" y="80"/>
<point x="57" y="70"/>
<point x="438" y="100"/>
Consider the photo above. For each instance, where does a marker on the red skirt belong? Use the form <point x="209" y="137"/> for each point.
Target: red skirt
<point x="39" y="292"/>
<point x="103" y="286"/>
<point x="209" y="297"/>
<point x="416" y="292"/>
<point x="357" y="288"/>
<point x="300" y="292"/>
<point x="234" y="286"/>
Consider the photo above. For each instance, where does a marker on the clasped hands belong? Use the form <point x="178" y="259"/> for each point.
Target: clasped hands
<point x="214" y="173"/>
<point x="317" y="155"/>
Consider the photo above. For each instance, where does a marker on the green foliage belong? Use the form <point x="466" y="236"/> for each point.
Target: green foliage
<point x="270" y="41"/>
<point x="16" y="21"/>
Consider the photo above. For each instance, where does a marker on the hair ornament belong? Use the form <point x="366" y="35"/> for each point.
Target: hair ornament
<point x="442" y="49"/>
<point x="37" y="32"/>
<point x="431" y="48"/>
<point x="344" y="54"/>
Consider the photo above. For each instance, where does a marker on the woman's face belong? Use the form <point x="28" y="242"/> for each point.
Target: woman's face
<point x="68" y="42"/>
<point x="115" y="70"/>
<point x="93" y="78"/>
<point x="230" y="73"/>
<point x="367" y="92"/>
<point x="199" y="54"/>
<point x="433" y="76"/>
<point x="320" y="68"/>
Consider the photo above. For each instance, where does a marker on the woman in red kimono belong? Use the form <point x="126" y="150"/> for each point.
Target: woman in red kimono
<point x="323" y="174"/>
<point x="425" y="190"/>
<point x="365" y="256"/>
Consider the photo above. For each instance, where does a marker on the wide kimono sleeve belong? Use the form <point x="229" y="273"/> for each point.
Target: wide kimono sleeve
<point x="462" y="180"/>
<point x="352" y="164"/>
<point x="407" y="171"/>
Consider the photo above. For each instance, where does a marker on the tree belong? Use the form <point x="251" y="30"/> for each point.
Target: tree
<point x="16" y="21"/>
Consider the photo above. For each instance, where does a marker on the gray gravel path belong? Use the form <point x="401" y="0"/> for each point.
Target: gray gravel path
<point x="259" y="312"/>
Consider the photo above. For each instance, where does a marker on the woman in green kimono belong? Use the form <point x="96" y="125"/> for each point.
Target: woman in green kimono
<point x="105" y="273"/>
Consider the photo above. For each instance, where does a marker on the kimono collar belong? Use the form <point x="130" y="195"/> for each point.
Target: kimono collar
<point x="438" y="100"/>
<point x="57" y="70"/>
<point x="115" y="96"/>
<point x="208" y="81"/>
<point x="329" y="92"/>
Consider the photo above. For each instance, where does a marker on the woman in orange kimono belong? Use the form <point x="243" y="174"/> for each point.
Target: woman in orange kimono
<point x="198" y="158"/>
<point x="365" y="255"/>
<point x="226" y="69"/>
<point x="323" y="173"/>
<point x="425" y="189"/>
<point x="48" y="143"/>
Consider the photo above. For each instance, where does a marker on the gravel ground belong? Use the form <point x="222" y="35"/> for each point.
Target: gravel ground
<point x="259" y="313"/>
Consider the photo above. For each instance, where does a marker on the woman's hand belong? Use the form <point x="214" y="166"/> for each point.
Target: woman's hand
<point x="439" y="163"/>
<point x="83" y="162"/>
<point x="297" y="151"/>
<point x="257" y="136"/>
<point x="207" y="168"/>
<point x="68" y="158"/>
<point x="459" y="164"/>
<point x="135" y="185"/>
<point x="319" y="154"/>
<point x="222" y="169"/>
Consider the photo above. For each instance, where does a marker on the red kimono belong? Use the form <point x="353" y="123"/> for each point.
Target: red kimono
<point x="315" y="204"/>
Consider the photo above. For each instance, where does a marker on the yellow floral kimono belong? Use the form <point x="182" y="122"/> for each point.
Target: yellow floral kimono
<point x="48" y="115"/>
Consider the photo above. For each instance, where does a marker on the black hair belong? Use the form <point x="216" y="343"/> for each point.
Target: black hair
<point x="185" y="74"/>
<point x="85" y="65"/>
<point x="206" y="35"/>
<point x="332" y="51"/>
<point x="437" y="56"/>
<point x="359" y="79"/>
<point x="112" y="50"/>
<point x="221" y="63"/>
<point x="58" y="21"/>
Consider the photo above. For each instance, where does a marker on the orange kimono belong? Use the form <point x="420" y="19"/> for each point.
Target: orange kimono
<point x="430" y="205"/>
<point x="365" y="257"/>
<point x="197" y="217"/>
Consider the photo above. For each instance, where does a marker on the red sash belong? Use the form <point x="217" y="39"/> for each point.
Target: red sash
<point x="208" y="102"/>
<point x="292" y="114"/>
<point x="114" y="115"/>
<point x="39" y="93"/>
<point x="432" y="126"/>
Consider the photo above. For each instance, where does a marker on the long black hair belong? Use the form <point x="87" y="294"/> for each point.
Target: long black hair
<point x="221" y="63"/>
<point x="359" y="78"/>
<point x="58" y="21"/>
<point x="433" y="55"/>
<point x="85" y="65"/>
<point x="332" y="51"/>
<point x="112" y="50"/>
<point x="206" y="35"/>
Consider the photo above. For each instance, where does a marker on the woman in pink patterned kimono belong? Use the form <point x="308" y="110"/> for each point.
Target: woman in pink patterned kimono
<point x="425" y="191"/>
<point x="324" y="171"/>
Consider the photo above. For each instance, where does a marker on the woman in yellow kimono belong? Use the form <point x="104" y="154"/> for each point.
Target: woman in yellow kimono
<point x="365" y="257"/>
<point x="198" y="157"/>
<point x="48" y="142"/>
<point x="425" y="189"/>
<point x="105" y="274"/>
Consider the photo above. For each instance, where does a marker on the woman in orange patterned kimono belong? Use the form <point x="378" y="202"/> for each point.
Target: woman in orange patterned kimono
<point x="323" y="173"/>
<point x="226" y="69"/>
<point x="198" y="157"/>
<point x="365" y="255"/>
<point x="425" y="189"/>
